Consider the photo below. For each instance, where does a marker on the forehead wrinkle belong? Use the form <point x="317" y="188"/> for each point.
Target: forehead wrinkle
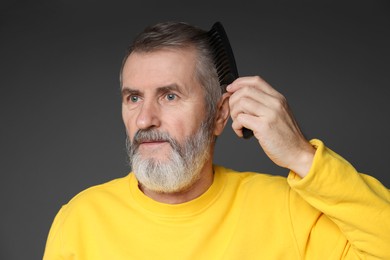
<point x="150" y="74"/>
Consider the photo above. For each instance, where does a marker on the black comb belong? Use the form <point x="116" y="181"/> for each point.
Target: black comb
<point x="224" y="61"/>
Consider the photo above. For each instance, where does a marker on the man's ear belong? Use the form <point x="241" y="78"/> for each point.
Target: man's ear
<point x="223" y="113"/>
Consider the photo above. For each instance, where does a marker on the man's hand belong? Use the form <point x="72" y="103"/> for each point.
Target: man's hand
<point x="254" y="104"/>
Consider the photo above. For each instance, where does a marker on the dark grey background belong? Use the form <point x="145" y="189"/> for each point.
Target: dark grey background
<point x="61" y="128"/>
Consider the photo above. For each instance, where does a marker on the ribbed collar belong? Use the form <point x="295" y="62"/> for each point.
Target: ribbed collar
<point x="186" y="209"/>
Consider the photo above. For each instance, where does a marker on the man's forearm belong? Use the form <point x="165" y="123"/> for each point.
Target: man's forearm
<point x="358" y="204"/>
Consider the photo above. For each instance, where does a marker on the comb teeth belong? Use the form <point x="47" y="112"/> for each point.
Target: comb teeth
<point x="223" y="56"/>
<point x="224" y="61"/>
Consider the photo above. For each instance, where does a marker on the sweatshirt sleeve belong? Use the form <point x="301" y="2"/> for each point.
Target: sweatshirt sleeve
<point x="53" y="248"/>
<point x="358" y="204"/>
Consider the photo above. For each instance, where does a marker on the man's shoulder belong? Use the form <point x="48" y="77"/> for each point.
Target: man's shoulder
<point x="253" y="179"/>
<point x="253" y="188"/>
<point x="111" y="190"/>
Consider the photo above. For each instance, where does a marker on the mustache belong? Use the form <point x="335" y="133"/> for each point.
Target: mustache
<point x="152" y="135"/>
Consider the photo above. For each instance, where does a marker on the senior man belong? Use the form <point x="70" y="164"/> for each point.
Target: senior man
<point x="176" y="204"/>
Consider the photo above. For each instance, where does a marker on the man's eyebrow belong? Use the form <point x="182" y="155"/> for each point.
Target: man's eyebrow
<point x="127" y="90"/>
<point x="171" y="87"/>
<point x="160" y="90"/>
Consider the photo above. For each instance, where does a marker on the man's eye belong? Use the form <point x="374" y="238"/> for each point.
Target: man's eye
<point x="171" y="96"/>
<point x="133" y="99"/>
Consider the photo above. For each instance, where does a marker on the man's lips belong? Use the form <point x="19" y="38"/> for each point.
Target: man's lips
<point x="153" y="142"/>
<point x="148" y="146"/>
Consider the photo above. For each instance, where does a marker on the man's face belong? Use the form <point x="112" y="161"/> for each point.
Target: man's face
<point x="161" y="96"/>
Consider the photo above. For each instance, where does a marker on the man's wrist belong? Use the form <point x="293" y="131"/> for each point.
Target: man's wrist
<point x="304" y="161"/>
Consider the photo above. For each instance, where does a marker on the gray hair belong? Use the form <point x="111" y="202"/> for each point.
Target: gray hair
<point x="182" y="35"/>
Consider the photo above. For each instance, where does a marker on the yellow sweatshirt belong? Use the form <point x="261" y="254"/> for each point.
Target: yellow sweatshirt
<point x="333" y="213"/>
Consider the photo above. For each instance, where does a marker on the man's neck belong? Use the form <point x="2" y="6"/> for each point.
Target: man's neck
<point x="194" y="191"/>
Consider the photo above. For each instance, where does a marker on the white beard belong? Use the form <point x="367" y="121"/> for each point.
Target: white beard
<point x="183" y="166"/>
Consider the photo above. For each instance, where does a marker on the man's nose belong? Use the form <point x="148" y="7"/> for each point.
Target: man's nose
<point x="149" y="115"/>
